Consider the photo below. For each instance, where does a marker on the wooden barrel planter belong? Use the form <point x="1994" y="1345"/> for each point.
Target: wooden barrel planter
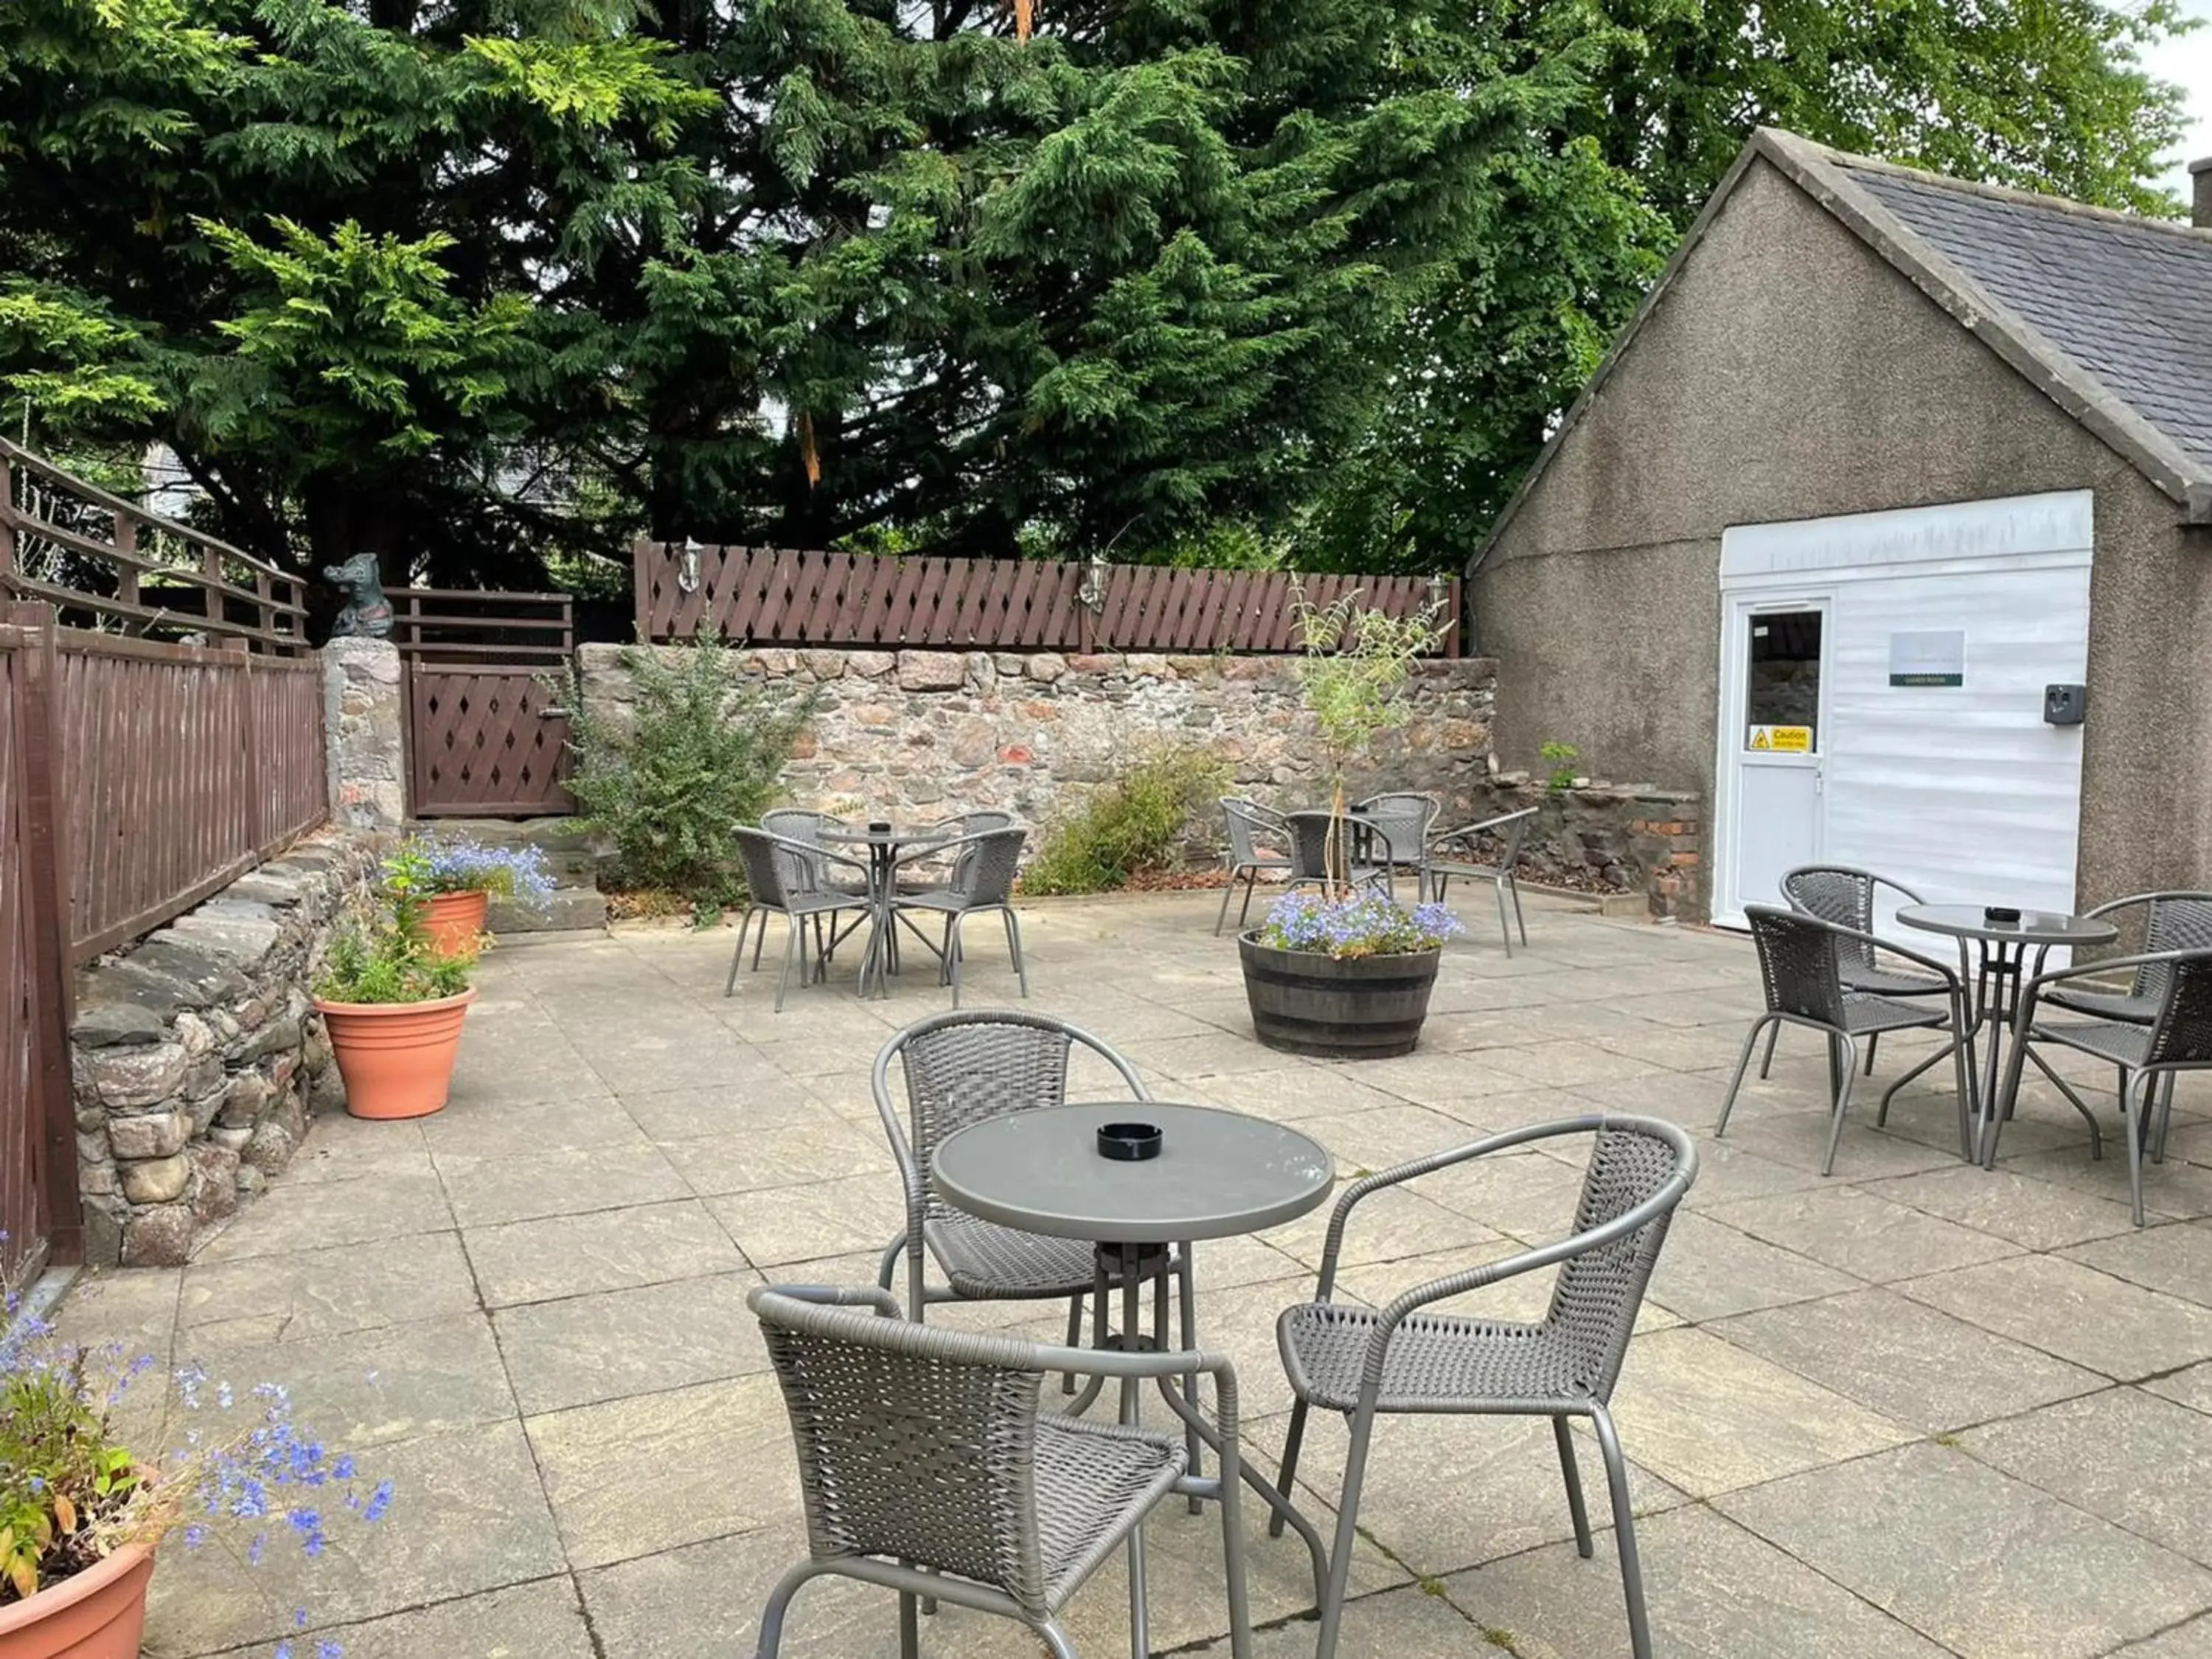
<point x="1364" y="1008"/>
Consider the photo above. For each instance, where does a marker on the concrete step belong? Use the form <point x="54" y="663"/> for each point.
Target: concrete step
<point x="569" y="909"/>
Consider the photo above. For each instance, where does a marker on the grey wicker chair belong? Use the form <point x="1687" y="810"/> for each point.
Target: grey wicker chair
<point x="967" y="1067"/>
<point x="927" y="1467"/>
<point x="1800" y="970"/>
<point x="982" y="880"/>
<point x="1398" y="826"/>
<point x="959" y="828"/>
<point x="1459" y="852"/>
<point x="2178" y="1038"/>
<point x="2172" y="920"/>
<point x="1309" y="841"/>
<point x="1247" y="822"/>
<point x="1399" y="1358"/>
<point x="790" y="878"/>
<point x="1846" y="896"/>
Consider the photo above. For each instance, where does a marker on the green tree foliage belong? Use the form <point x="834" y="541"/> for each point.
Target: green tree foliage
<point x="490" y="284"/>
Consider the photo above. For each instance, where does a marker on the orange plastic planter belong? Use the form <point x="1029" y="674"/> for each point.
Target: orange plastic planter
<point x="100" y="1614"/>
<point x="397" y="1058"/>
<point x="456" y="922"/>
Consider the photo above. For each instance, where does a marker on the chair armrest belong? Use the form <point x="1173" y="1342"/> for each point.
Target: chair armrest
<point x="1949" y="975"/>
<point x="1474" y="1279"/>
<point x="844" y="1296"/>
<point x="2032" y="992"/>
<point x="910" y="1172"/>
<point x="1467" y="832"/>
<point x="1341" y="1216"/>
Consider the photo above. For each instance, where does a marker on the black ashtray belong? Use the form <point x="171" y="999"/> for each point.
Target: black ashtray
<point x="1999" y="913"/>
<point x="880" y="827"/>
<point x="1129" y="1143"/>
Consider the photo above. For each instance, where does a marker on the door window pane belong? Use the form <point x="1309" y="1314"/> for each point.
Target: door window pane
<point x="1782" y="701"/>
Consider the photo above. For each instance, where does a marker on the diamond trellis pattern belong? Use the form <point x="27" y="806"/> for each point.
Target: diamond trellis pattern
<point x="481" y="743"/>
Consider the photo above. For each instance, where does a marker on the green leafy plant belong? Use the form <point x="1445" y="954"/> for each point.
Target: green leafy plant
<point x="1128" y="825"/>
<point x="384" y="955"/>
<point x="701" y="750"/>
<point x="1357" y="663"/>
<point x="1561" y="758"/>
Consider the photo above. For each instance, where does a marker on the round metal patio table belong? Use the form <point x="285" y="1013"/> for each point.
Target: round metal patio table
<point x="1996" y="976"/>
<point x="883" y="846"/>
<point x="1219" y="1174"/>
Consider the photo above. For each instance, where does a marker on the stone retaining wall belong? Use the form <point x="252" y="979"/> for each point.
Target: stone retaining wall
<point x="1628" y="838"/>
<point x="197" y="1058"/>
<point x="920" y="734"/>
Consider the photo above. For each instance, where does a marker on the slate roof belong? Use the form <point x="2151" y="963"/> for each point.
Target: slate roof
<point x="2108" y="314"/>
<point x="2129" y="300"/>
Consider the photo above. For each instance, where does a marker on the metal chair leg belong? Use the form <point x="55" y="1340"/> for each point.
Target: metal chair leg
<point x="2134" y="1110"/>
<point x="1504" y="921"/>
<point x="952" y="953"/>
<point x="1183" y="1266"/>
<point x="1244" y="910"/>
<point x="1227" y="894"/>
<point x="1014" y="950"/>
<point x="887" y="1268"/>
<point x="1055" y="1639"/>
<point x="1291" y="1441"/>
<point x="1347" y="1536"/>
<point x="1847" y="1072"/>
<point x="1766" y="1065"/>
<point x="779" y="1604"/>
<point x="2164" y="1117"/>
<point x="1574" y="1478"/>
<point x="794" y="930"/>
<point x="759" y="940"/>
<point x="738" y="956"/>
<point x="1743" y="1060"/>
<point x="909" y="1627"/>
<point x="1873" y="1043"/>
<point x="1624" y="1529"/>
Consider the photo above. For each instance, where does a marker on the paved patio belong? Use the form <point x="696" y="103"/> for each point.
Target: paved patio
<point x="1913" y="1410"/>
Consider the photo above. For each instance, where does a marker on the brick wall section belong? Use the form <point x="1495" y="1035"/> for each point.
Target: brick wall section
<point x="197" y="1059"/>
<point x="919" y="734"/>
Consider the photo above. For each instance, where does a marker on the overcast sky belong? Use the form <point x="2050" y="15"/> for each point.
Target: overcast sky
<point x="2188" y="61"/>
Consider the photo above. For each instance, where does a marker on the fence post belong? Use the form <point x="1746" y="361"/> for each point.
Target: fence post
<point x="642" y="552"/>
<point x="45" y="894"/>
<point x="7" y="518"/>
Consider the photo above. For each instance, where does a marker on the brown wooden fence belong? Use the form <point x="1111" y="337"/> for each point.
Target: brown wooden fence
<point x="484" y="740"/>
<point x="460" y="623"/>
<point x="38" y="1151"/>
<point x="183" y="768"/>
<point x="777" y="597"/>
<point x="109" y="565"/>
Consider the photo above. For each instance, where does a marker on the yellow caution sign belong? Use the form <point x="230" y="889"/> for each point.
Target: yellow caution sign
<point x="1781" y="740"/>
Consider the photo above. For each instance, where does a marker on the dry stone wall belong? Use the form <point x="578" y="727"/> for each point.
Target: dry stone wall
<point x="197" y="1058"/>
<point x="1615" y="838"/>
<point x="920" y="734"/>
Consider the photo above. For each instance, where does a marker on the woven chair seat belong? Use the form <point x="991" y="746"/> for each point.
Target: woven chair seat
<point x="1435" y="1362"/>
<point x="2124" y="1045"/>
<point x="1883" y="981"/>
<point x="1863" y="1013"/>
<point x="2106" y="1004"/>
<point x="1095" y="1482"/>
<point x="985" y="1263"/>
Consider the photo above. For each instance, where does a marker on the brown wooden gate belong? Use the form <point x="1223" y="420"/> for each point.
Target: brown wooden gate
<point x="484" y="739"/>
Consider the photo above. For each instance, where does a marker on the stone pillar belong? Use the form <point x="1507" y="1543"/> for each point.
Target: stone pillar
<point x="363" y="689"/>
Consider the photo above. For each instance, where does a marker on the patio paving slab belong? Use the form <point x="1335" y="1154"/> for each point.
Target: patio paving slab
<point x="544" y="1620"/>
<point x="2074" y="1312"/>
<point x="327" y="1292"/>
<point x="2149" y="1472"/>
<point x="1850" y="1229"/>
<point x="372" y="1206"/>
<point x="721" y="1457"/>
<point x="2018" y="1573"/>
<point x="1709" y="1271"/>
<point x="1910" y="1363"/>
<point x="580" y="1120"/>
<point x="609" y="1250"/>
<point x="1710" y="1417"/>
<point x="484" y="1192"/>
<point x="2036" y="1215"/>
<point x="824" y="1217"/>
<point x="2175" y="1259"/>
<point x="2191" y="1387"/>
<point x="1713" y="1590"/>
<point x="611" y="1345"/>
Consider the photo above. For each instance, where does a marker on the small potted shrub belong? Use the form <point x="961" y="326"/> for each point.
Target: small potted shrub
<point x="1338" y="974"/>
<point x="1343" y="978"/>
<point x="464" y="877"/>
<point x="394" y="1005"/>
<point x="81" y="1515"/>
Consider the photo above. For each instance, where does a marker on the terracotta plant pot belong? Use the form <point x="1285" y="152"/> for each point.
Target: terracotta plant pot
<point x="456" y="922"/>
<point x="397" y="1058"/>
<point x="100" y="1614"/>
<point x="1368" y="1008"/>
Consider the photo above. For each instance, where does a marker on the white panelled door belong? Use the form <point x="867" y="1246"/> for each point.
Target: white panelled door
<point x="1902" y="667"/>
